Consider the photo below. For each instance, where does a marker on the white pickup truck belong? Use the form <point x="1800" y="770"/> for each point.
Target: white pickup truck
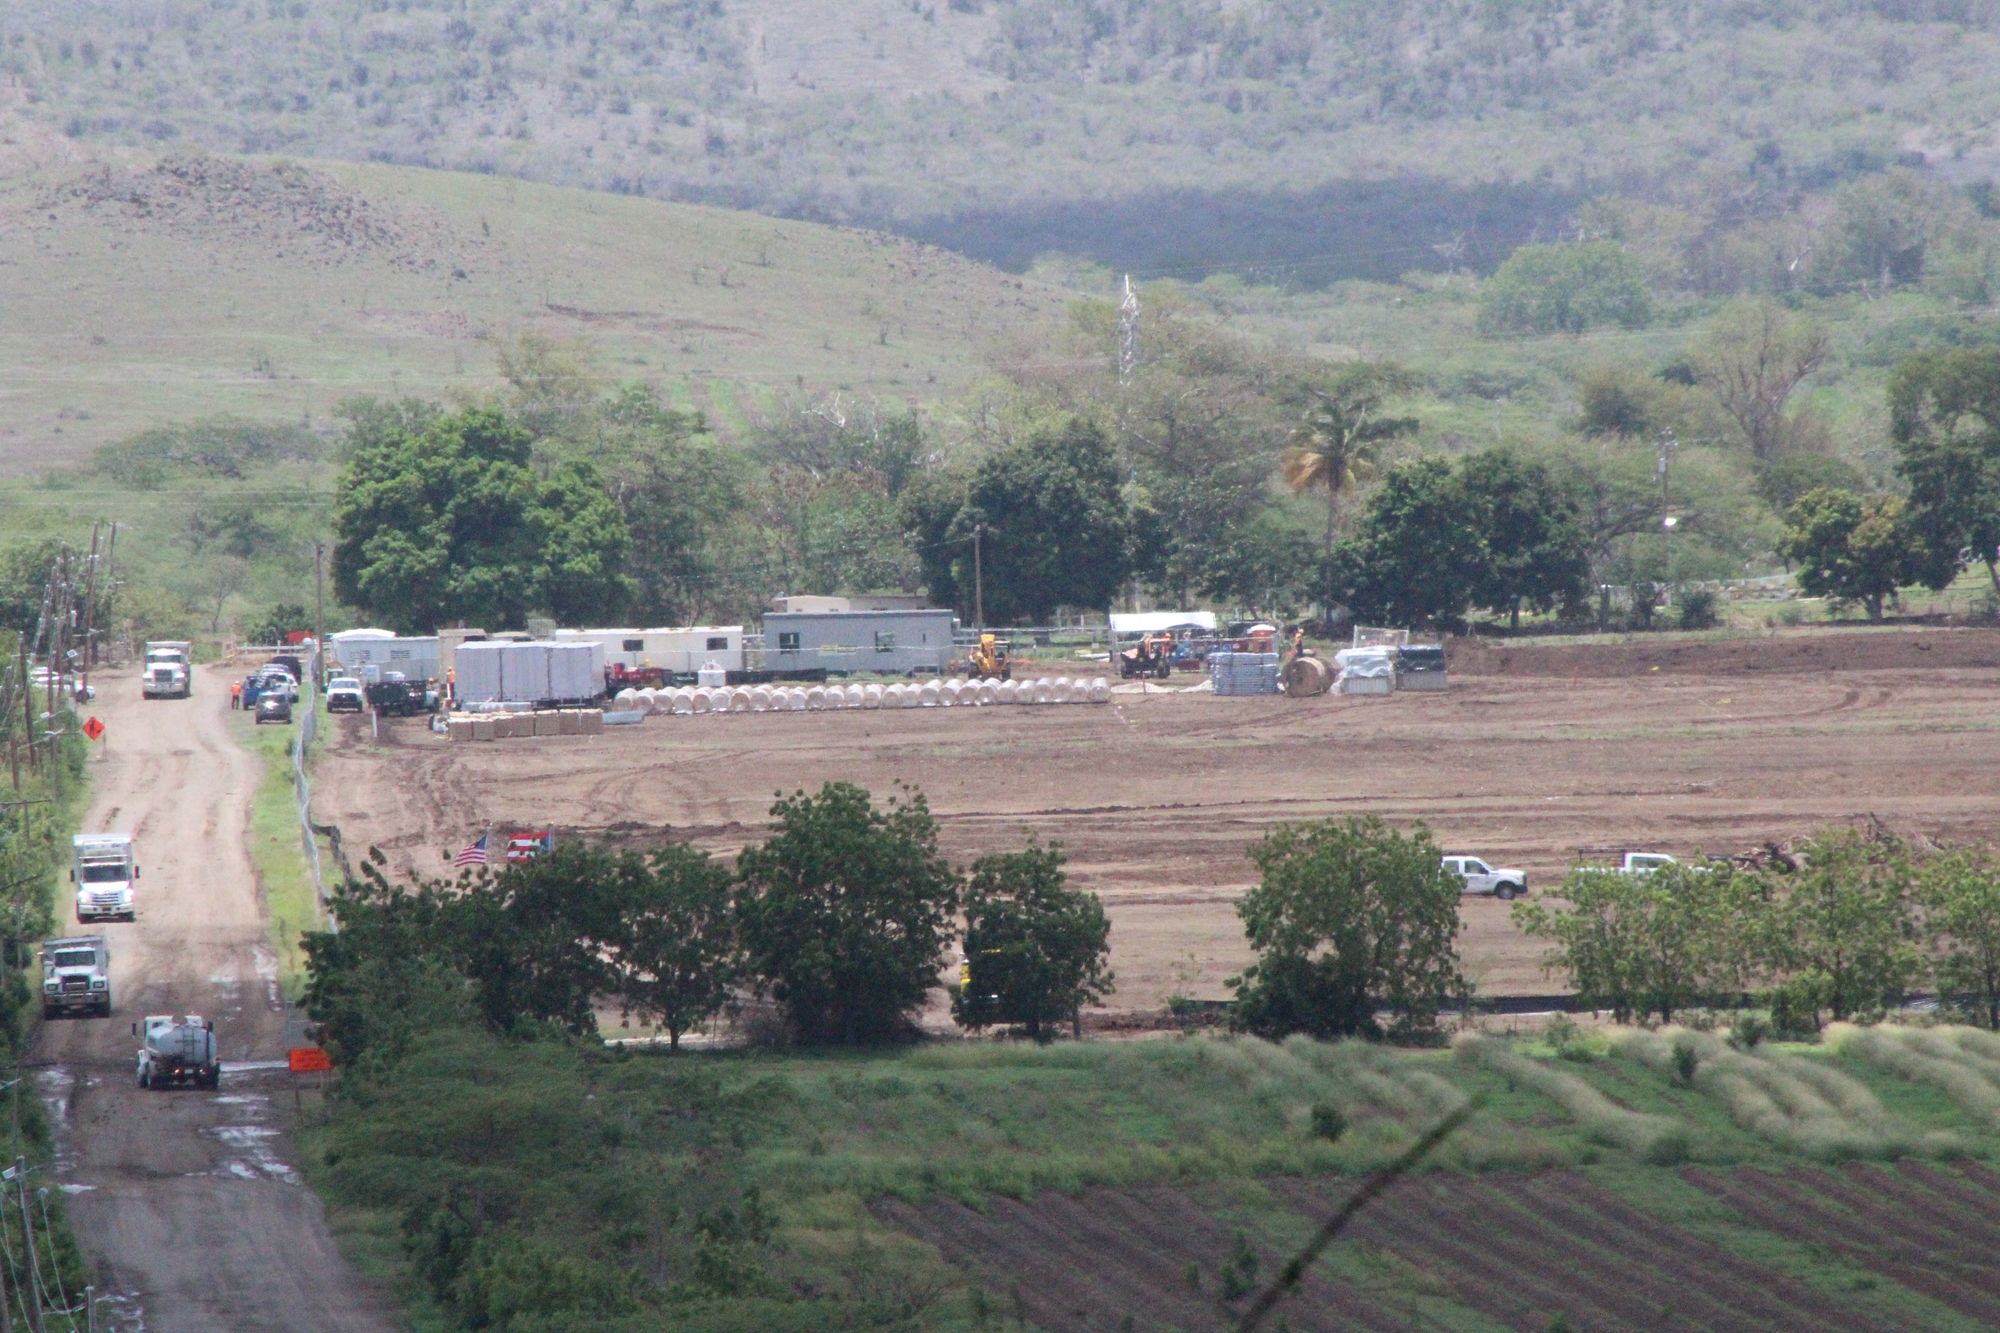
<point x="1644" y="863"/>
<point x="1482" y="878"/>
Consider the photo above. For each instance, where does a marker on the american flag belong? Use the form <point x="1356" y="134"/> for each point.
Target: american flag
<point x="474" y="855"/>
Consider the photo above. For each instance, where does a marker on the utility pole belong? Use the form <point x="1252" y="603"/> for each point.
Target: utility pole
<point x="110" y="550"/>
<point x="319" y="609"/>
<point x="89" y="615"/>
<point x="6" y="1306"/>
<point x="1668" y="444"/>
<point x="978" y="580"/>
<point x="27" y="701"/>
<point x="34" y="1288"/>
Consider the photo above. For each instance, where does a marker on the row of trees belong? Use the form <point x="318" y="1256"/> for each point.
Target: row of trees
<point x="841" y="917"/>
<point x="1843" y="930"/>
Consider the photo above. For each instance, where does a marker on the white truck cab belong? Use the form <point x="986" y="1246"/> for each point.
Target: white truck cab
<point x="76" y="975"/>
<point x="169" y="672"/>
<point x="104" y="871"/>
<point x="1482" y="878"/>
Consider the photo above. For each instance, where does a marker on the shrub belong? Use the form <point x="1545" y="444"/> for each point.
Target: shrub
<point x="1698" y="608"/>
<point x="1327" y="1121"/>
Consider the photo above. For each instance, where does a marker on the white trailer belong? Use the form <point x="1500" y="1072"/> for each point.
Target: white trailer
<point x="683" y="650"/>
<point x="534" y="672"/>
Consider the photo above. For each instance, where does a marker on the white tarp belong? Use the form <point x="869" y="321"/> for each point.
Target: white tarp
<point x="1365" y="663"/>
<point x="1155" y="622"/>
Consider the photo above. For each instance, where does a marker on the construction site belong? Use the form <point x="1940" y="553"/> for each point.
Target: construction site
<point x="1693" y="747"/>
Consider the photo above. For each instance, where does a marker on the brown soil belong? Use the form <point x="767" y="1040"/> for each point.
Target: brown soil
<point x="187" y="1202"/>
<point x="1157" y="796"/>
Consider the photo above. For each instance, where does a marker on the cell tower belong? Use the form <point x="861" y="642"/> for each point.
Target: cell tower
<point x="1128" y="332"/>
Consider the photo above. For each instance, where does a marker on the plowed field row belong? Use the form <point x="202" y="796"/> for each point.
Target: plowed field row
<point x="1512" y="1251"/>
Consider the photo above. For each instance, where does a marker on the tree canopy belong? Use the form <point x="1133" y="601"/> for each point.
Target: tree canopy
<point x="446" y="521"/>
<point x="1565" y="289"/>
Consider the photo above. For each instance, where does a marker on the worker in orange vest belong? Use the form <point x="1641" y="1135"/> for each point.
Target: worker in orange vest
<point x="235" y="694"/>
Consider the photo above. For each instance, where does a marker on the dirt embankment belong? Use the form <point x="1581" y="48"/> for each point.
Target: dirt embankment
<point x="187" y="1202"/>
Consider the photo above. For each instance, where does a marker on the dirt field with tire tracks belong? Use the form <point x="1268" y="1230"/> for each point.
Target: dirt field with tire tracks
<point x="1676" y="745"/>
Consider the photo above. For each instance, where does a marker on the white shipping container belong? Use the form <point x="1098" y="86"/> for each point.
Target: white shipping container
<point x="575" y="671"/>
<point x="524" y="671"/>
<point x="479" y="672"/>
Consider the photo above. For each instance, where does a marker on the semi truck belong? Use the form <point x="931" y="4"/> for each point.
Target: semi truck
<point x="76" y="976"/>
<point x="103" y="868"/>
<point x="175" y="1049"/>
<point x="169" y="672"/>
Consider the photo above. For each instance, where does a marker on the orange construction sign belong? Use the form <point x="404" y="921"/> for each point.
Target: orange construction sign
<point x="94" y="729"/>
<point x="309" y="1059"/>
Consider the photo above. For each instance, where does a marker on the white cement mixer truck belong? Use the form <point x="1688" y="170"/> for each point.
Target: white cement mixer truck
<point x="177" y="1048"/>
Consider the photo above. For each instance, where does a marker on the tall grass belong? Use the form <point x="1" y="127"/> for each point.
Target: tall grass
<point x="1925" y="1057"/>
<point x="1653" y="1138"/>
<point x="1789" y="1100"/>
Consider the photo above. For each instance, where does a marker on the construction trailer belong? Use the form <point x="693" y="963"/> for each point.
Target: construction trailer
<point x="371" y="654"/>
<point x="536" y="671"/>
<point x="678" y="651"/>
<point x="857" y="642"/>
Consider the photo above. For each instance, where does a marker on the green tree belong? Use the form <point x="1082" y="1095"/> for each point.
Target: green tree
<point x="537" y="939"/>
<point x="1960" y="895"/>
<point x="1944" y="417"/>
<point x="1349" y="917"/>
<point x="1035" y="947"/>
<point x="1057" y="530"/>
<point x="1531" y="531"/>
<point x="845" y="911"/>
<point x="449" y="522"/>
<point x="276" y="623"/>
<point x="1565" y="289"/>
<point x="1337" y="442"/>
<point x="1648" y="944"/>
<point x="1842" y="931"/>
<point x="1416" y="556"/>
<point x="1849" y="548"/>
<point x="677" y="956"/>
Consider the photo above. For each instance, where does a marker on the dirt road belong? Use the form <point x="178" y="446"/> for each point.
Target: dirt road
<point x="186" y="1202"/>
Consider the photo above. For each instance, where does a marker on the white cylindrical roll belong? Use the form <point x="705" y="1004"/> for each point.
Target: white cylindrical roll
<point x="1007" y="692"/>
<point x="815" y="697"/>
<point x="855" y="695"/>
<point x="871" y="696"/>
<point x="760" y="698"/>
<point x="928" y="694"/>
<point x="989" y="691"/>
<point x="1100" y="691"/>
<point x="795" y="700"/>
<point x="739" y="700"/>
<point x="912" y="696"/>
<point x="698" y="700"/>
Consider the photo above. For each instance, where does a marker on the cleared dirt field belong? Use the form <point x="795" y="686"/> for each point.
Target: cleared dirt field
<point x="1532" y="754"/>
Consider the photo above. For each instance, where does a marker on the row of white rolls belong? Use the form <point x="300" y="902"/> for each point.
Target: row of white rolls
<point x="683" y="700"/>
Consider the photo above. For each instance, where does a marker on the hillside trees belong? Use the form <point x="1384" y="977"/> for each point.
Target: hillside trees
<point x="1565" y="289"/>
<point x="1349" y="916"/>
<point x="1944" y="419"/>
<point x="1849" y="548"/>
<point x="1753" y="358"/>
<point x="448" y="522"/>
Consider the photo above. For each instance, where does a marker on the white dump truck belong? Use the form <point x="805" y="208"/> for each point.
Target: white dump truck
<point x="169" y="672"/>
<point x="76" y="976"/>
<point x="177" y="1048"/>
<point x="104" y="871"/>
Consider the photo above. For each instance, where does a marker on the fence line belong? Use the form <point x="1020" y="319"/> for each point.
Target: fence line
<point x="301" y="785"/>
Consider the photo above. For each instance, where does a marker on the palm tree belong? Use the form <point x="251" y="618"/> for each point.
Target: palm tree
<point x="1334" y="445"/>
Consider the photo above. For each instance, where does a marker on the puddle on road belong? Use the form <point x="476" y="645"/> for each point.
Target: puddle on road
<point x="252" y="1144"/>
<point x="56" y="1086"/>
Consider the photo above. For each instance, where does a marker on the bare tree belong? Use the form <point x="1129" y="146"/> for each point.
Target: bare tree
<point x="1752" y="359"/>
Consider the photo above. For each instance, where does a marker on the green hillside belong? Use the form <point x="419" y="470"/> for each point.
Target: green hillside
<point x="140" y="291"/>
<point x="1344" y="139"/>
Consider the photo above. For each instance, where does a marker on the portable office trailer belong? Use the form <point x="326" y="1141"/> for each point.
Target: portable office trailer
<point x="416" y="658"/>
<point x="854" y="642"/>
<point x="682" y="650"/>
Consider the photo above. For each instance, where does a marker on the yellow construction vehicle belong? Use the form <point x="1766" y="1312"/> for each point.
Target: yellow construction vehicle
<point x="989" y="659"/>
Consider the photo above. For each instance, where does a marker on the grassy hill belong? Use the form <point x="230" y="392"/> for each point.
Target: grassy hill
<point x="141" y="290"/>
<point x="1213" y="132"/>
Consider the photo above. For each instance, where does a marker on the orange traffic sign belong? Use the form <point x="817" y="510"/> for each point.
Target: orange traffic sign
<point x="94" y="729"/>
<point x="309" y="1059"/>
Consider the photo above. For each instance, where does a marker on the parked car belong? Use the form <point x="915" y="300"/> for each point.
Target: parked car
<point x="344" y="695"/>
<point x="1482" y="878"/>
<point x="273" y="706"/>
<point x="277" y="680"/>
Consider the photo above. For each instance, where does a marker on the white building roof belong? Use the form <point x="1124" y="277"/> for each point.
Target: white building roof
<point x="1152" y="622"/>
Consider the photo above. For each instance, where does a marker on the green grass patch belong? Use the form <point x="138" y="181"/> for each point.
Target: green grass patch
<point x="291" y="902"/>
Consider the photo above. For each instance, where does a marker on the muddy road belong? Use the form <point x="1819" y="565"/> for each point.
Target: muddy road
<point x="187" y="1202"/>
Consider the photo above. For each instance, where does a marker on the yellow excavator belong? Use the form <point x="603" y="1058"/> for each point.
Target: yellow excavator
<point x="989" y="660"/>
